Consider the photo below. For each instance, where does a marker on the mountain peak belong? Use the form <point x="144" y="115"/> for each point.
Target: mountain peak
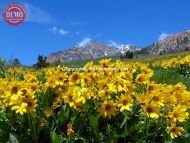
<point x="89" y="50"/>
<point x="83" y="51"/>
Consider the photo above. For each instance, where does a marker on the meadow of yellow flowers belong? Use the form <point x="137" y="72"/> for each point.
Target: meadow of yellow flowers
<point x="108" y="102"/>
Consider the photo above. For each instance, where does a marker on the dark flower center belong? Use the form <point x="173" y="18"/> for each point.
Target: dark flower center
<point x="149" y="109"/>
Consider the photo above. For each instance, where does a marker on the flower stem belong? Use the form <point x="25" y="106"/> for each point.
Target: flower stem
<point x="34" y="137"/>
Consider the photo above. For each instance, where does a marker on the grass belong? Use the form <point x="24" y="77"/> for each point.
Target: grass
<point x="169" y="76"/>
<point x="161" y="75"/>
<point x="137" y="58"/>
<point x="153" y="58"/>
<point x="81" y="63"/>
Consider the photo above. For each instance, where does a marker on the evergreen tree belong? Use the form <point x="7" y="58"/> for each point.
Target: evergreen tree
<point x="16" y="63"/>
<point x="129" y="54"/>
<point x="41" y="62"/>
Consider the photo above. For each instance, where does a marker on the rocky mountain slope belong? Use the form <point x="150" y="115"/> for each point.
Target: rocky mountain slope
<point x="129" y="47"/>
<point x="174" y="43"/>
<point x="89" y="51"/>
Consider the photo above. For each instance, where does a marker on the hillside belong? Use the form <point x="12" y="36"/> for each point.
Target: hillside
<point x="91" y="50"/>
<point x="175" y="43"/>
<point x="178" y="42"/>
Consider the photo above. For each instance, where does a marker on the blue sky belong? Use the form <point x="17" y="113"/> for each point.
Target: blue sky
<point x="56" y="25"/>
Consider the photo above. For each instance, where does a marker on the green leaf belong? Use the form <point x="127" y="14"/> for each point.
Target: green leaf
<point x="79" y="139"/>
<point x="4" y="134"/>
<point x="12" y="139"/>
<point x="124" y="134"/>
<point x="124" y="121"/>
<point x="63" y="115"/>
<point x="56" y="138"/>
<point x="94" y="121"/>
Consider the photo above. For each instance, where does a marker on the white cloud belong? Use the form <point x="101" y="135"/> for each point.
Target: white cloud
<point x="59" y="31"/>
<point x="163" y="36"/>
<point x="37" y="15"/>
<point x="84" y="42"/>
<point x="62" y="32"/>
<point x="54" y="29"/>
<point x="113" y="44"/>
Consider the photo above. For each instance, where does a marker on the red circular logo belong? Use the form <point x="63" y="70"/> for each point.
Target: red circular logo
<point x="14" y="14"/>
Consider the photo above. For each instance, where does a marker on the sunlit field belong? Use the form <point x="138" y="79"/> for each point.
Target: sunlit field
<point x="140" y="100"/>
